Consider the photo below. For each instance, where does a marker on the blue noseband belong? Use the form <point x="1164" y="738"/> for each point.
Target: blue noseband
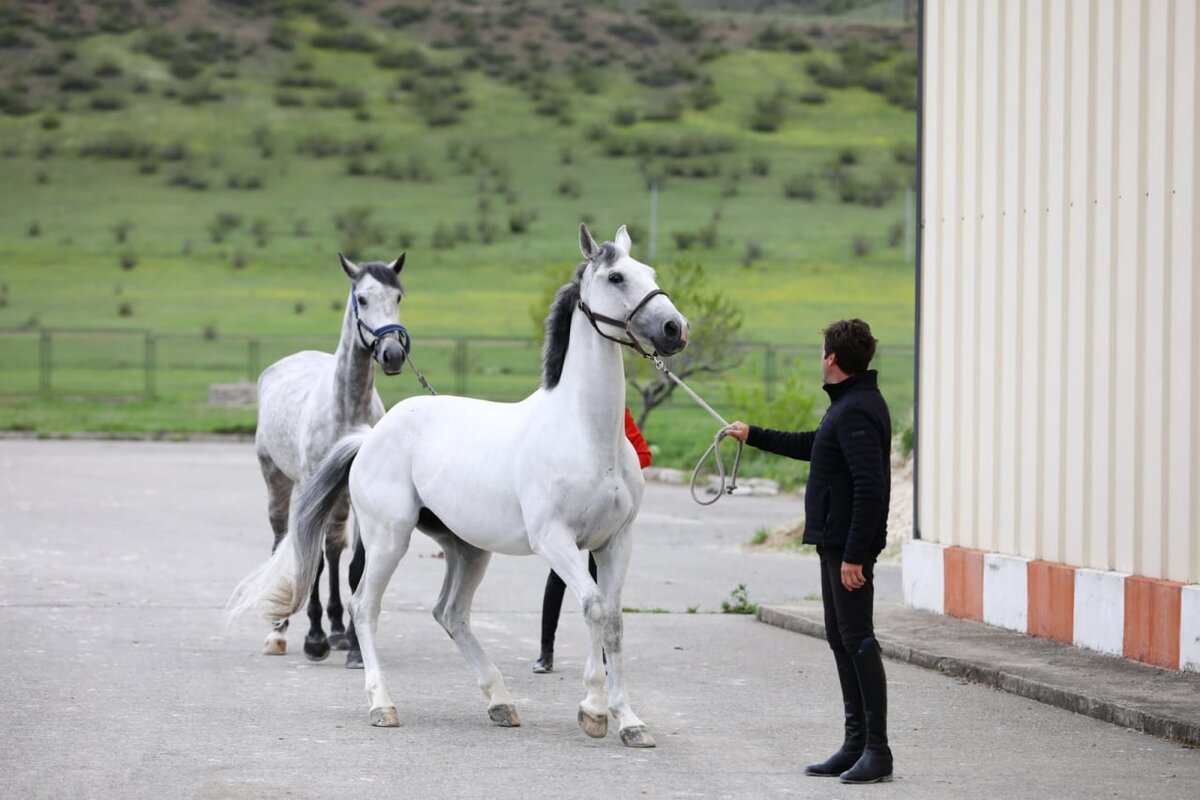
<point x="400" y="331"/>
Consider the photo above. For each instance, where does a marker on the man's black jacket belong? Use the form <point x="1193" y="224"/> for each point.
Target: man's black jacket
<point x="849" y="482"/>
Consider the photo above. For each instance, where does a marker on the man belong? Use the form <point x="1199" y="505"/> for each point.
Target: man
<point x="846" y="508"/>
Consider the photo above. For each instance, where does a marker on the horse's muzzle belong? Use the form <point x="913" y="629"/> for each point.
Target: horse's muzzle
<point x="390" y="355"/>
<point x="672" y="338"/>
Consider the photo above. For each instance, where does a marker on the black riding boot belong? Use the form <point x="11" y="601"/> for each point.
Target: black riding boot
<point x="876" y="762"/>
<point x="856" y="735"/>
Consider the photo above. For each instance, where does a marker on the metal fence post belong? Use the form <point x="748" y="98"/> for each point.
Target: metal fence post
<point x="44" y="363"/>
<point x="150" y="365"/>
<point x="769" y="370"/>
<point x="251" y="359"/>
<point x="460" y="367"/>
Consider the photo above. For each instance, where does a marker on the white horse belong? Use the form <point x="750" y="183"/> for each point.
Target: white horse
<point x="552" y="475"/>
<point x="309" y="400"/>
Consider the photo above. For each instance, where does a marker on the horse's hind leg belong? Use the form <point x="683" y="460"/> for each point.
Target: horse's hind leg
<point x="335" y="543"/>
<point x="354" y="658"/>
<point x="316" y="646"/>
<point x="465" y="567"/>
<point x="611" y="563"/>
<point x="279" y="498"/>
<point x="385" y="545"/>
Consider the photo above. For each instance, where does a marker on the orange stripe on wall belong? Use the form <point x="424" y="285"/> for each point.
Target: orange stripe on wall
<point x="963" y="582"/>
<point x="1052" y="601"/>
<point x="1152" y="612"/>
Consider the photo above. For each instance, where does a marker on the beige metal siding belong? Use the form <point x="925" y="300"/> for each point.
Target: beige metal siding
<point x="1060" y="346"/>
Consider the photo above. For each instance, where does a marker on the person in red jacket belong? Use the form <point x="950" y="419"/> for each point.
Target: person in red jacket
<point x="555" y="588"/>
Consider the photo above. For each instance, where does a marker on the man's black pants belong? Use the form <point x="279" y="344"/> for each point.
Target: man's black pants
<point x="849" y="616"/>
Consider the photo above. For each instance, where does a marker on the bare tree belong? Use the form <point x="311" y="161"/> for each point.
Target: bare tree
<point x="714" y="321"/>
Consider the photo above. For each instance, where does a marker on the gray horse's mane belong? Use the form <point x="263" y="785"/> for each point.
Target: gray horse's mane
<point x="558" y="329"/>
<point x="383" y="273"/>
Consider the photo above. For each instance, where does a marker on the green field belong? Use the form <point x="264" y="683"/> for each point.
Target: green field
<point x="190" y="176"/>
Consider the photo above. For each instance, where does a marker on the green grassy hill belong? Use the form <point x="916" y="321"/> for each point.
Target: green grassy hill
<point x="193" y="167"/>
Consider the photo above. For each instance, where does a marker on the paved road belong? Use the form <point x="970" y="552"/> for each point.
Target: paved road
<point x="120" y="678"/>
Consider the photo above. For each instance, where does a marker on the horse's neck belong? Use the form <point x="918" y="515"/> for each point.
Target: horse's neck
<point x="592" y="384"/>
<point x="353" y="373"/>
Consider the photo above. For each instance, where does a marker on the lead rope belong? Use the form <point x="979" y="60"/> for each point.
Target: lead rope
<point x="714" y="448"/>
<point x="420" y="377"/>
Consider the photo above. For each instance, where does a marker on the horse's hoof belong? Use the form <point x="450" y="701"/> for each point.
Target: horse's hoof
<point x="275" y="647"/>
<point x="505" y="716"/>
<point x="595" y="727"/>
<point x="636" y="736"/>
<point x="354" y="659"/>
<point x="339" y="641"/>
<point x="385" y="717"/>
<point x="316" y="649"/>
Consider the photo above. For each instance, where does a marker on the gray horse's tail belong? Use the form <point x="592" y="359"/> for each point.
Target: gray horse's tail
<point x="282" y="585"/>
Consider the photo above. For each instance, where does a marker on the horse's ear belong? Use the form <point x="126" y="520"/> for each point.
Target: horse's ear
<point x="622" y="239"/>
<point x="349" y="267"/>
<point x="587" y="245"/>
<point x="398" y="264"/>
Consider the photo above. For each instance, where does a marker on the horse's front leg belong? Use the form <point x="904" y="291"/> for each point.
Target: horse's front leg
<point x="564" y="556"/>
<point x="611" y="563"/>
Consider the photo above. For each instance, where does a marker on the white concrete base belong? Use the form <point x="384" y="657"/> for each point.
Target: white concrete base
<point x="1100" y="610"/>
<point x="924" y="575"/>
<point x="1189" y="628"/>
<point x="1006" y="592"/>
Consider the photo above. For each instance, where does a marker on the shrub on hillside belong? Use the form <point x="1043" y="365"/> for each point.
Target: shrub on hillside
<point x="345" y="41"/>
<point x="769" y="112"/>
<point x="801" y="187"/>
<point x="704" y="94"/>
<point x="774" y="37"/>
<point x="401" y="15"/>
<point x="78" y="83"/>
<point x="116" y="145"/>
<point x="674" y="21"/>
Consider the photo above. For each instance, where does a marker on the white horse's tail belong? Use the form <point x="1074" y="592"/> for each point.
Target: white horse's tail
<point x="279" y="587"/>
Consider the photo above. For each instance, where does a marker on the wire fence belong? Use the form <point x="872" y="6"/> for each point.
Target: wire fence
<point x="117" y="365"/>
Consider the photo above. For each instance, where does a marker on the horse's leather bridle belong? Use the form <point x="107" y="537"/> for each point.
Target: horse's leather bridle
<point x="400" y="331"/>
<point x="626" y="324"/>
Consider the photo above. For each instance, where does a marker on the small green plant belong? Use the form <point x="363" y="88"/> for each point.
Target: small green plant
<point x="632" y="610"/>
<point x="693" y="609"/>
<point x="739" y="602"/>
<point x="760" y="537"/>
<point x="812" y="597"/>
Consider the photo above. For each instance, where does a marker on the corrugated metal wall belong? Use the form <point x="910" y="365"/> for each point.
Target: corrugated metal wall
<point x="1060" y="286"/>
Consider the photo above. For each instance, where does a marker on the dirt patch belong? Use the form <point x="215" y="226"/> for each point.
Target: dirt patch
<point x="900" y="522"/>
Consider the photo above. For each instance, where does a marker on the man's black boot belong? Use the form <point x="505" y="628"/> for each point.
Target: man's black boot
<point x="856" y="734"/>
<point x="545" y="662"/>
<point x="876" y="762"/>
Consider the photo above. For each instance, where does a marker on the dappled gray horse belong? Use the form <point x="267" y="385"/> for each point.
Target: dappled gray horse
<point x="309" y="400"/>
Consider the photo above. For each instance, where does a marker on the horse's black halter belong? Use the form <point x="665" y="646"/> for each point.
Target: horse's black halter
<point x="626" y="324"/>
<point x="400" y="331"/>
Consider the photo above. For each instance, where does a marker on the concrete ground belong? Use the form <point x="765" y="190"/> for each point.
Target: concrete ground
<point x="120" y="678"/>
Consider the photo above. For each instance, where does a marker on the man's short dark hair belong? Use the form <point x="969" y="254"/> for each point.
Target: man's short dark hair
<point x="851" y="339"/>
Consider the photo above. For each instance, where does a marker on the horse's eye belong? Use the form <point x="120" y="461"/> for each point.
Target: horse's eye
<point x="362" y="301"/>
<point x="616" y="277"/>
